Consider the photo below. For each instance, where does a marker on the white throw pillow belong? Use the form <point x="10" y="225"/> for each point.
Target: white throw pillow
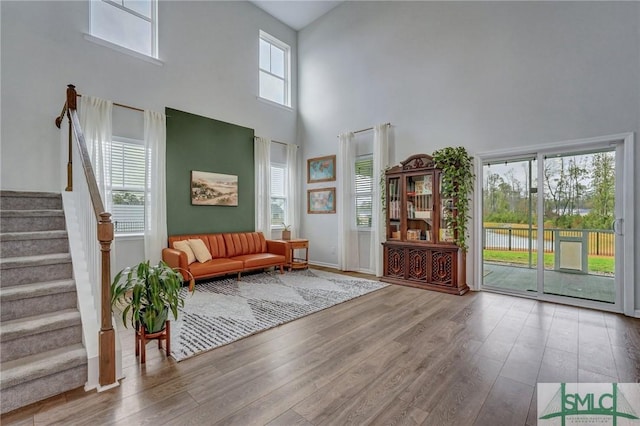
<point x="185" y="247"/>
<point x="200" y="250"/>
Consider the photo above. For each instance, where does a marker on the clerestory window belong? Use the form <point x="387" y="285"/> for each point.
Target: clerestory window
<point x="131" y="24"/>
<point x="275" y="70"/>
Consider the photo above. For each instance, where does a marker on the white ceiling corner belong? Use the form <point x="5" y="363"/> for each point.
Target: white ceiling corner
<point x="297" y="14"/>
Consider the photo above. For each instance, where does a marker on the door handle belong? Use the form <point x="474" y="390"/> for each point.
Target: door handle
<point x="614" y="226"/>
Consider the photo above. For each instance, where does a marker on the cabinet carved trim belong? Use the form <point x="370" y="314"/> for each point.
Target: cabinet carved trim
<point x="396" y="262"/>
<point x="417" y="265"/>
<point x="442" y="268"/>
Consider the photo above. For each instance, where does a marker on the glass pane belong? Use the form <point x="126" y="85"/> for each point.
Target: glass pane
<point x="277" y="61"/>
<point x="127" y="165"/>
<point x="120" y="27"/>
<point x="510" y="233"/>
<point x="278" y="208"/>
<point x="364" y="175"/>
<point x="579" y="201"/>
<point x="128" y="211"/>
<point x="393" y="209"/>
<point x="363" y="210"/>
<point x="265" y="57"/>
<point x="142" y="7"/>
<point x="271" y="88"/>
<point x="277" y="181"/>
<point x="419" y="207"/>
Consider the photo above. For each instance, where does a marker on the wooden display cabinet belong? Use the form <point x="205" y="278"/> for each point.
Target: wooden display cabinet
<point x="420" y="250"/>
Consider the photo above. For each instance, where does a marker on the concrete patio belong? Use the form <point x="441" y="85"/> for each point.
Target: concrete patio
<point x="517" y="278"/>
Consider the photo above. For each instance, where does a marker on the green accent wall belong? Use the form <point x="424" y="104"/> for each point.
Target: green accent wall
<point x="203" y="144"/>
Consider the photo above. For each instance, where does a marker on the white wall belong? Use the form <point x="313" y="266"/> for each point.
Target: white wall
<point x="210" y="56"/>
<point x="484" y="75"/>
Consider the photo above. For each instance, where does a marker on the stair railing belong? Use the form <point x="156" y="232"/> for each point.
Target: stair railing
<point x="95" y="225"/>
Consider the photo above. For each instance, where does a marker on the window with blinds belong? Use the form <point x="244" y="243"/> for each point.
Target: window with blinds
<point x="127" y="181"/>
<point x="278" y="195"/>
<point x="364" y="191"/>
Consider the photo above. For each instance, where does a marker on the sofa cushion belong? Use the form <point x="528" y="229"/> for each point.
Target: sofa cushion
<point x="260" y="260"/>
<point x="185" y="247"/>
<point x="217" y="246"/>
<point x="203" y="237"/>
<point x="241" y="243"/>
<point x="214" y="267"/>
<point x="200" y="250"/>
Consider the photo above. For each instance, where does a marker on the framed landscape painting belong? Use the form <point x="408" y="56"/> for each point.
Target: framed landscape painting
<point x="322" y="200"/>
<point x="321" y="169"/>
<point x="213" y="189"/>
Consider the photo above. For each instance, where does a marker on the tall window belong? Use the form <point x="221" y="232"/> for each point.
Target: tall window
<point x="278" y="195"/>
<point x="275" y="84"/>
<point x="128" y="23"/>
<point x="364" y="191"/>
<point x="127" y="180"/>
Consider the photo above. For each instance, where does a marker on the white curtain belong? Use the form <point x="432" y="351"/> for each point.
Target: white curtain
<point x="155" y="199"/>
<point x="380" y="161"/>
<point x="95" y="120"/>
<point x="262" y="160"/>
<point x="348" y="254"/>
<point x="293" y="207"/>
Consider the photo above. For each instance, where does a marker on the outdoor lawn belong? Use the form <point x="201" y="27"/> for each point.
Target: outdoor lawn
<point x="597" y="264"/>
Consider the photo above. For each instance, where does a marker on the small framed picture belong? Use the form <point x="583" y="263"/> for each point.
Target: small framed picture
<point x="321" y="169"/>
<point x="322" y="200"/>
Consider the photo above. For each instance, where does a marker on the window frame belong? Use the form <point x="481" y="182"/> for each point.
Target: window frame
<point x="264" y="36"/>
<point x="370" y="193"/>
<point x="127" y="188"/>
<point x="285" y="197"/>
<point x="153" y="20"/>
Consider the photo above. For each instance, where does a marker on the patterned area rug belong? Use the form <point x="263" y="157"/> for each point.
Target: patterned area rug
<point x="225" y="310"/>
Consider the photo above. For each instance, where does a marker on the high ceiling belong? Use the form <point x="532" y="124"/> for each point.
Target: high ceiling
<point x="296" y="13"/>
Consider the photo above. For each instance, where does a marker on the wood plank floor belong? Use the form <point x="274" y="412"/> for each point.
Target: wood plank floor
<point x="396" y="356"/>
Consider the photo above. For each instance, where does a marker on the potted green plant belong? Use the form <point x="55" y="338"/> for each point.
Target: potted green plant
<point x="286" y="232"/>
<point x="457" y="184"/>
<point x="149" y="293"/>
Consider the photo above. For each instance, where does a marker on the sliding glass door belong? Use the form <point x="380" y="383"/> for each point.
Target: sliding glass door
<point x="579" y="219"/>
<point x="552" y="224"/>
<point x="510" y="252"/>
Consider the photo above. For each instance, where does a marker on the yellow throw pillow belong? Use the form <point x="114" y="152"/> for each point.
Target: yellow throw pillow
<point x="185" y="247"/>
<point x="200" y="250"/>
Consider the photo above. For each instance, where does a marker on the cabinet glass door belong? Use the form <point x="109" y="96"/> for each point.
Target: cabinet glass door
<point x="393" y="209"/>
<point x="419" y="207"/>
<point x="446" y="215"/>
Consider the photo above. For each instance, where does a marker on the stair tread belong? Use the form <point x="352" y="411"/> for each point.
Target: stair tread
<point x="41" y="259"/>
<point x="40" y="365"/>
<point x="43" y="288"/>
<point x="36" y="324"/>
<point x="32" y="235"/>
<point x="9" y="193"/>
<point x="32" y="213"/>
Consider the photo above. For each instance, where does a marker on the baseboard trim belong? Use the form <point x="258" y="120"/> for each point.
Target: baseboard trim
<point x="637" y="313"/>
<point x="326" y="265"/>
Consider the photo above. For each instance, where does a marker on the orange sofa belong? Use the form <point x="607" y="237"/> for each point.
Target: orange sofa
<point x="231" y="253"/>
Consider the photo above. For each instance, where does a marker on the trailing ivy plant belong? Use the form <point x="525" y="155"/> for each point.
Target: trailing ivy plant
<point x="383" y="190"/>
<point x="457" y="183"/>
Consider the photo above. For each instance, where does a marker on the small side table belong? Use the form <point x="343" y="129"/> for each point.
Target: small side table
<point x="298" y="262"/>
<point x="142" y="337"/>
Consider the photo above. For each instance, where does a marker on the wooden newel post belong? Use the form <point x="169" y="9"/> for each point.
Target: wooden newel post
<point x="71" y="105"/>
<point x="72" y="97"/>
<point x="107" y="335"/>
